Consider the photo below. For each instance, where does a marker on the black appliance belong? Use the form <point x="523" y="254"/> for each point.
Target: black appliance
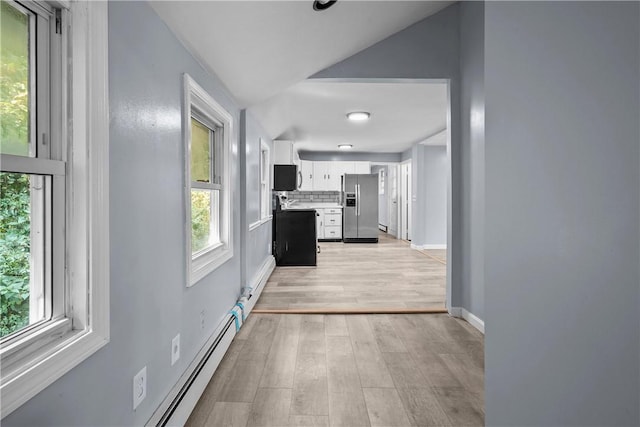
<point x="285" y="177"/>
<point x="294" y="237"/>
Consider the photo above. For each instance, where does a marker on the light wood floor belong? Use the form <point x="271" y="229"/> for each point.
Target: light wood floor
<point x="364" y="276"/>
<point x="353" y="370"/>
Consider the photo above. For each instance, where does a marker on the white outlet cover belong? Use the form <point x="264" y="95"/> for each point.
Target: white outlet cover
<point x="175" y="349"/>
<point x="139" y="387"/>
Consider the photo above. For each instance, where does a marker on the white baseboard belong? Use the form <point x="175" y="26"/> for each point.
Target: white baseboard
<point x="473" y="320"/>
<point x="258" y="281"/>
<point x="183" y="397"/>
<point x="423" y="247"/>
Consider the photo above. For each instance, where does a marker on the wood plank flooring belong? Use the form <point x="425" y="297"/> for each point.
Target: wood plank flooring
<point x="348" y="370"/>
<point x="383" y="277"/>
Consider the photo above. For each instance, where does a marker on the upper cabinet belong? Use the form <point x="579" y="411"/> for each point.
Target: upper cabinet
<point x="306" y="175"/>
<point x="322" y="172"/>
<point x="361" y="167"/>
<point x="316" y="176"/>
<point x="285" y="154"/>
<point x="327" y="176"/>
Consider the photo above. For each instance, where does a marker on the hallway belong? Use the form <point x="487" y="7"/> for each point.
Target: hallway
<point x="353" y="370"/>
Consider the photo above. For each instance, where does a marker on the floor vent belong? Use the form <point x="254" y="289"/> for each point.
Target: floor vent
<point x="177" y="407"/>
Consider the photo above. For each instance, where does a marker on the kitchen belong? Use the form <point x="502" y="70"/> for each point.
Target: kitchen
<point x="325" y="262"/>
<point x="323" y="201"/>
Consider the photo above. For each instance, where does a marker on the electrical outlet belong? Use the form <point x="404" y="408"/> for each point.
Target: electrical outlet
<point x="175" y="349"/>
<point x="139" y="387"/>
<point x="202" y="319"/>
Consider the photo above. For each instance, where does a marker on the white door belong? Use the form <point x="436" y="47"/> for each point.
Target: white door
<point x="392" y="200"/>
<point x="405" y="201"/>
<point x="409" y="201"/>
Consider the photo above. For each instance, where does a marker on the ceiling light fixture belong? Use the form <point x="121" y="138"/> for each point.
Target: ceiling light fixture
<point x="345" y="146"/>
<point x="358" y="116"/>
<point x="320" y="5"/>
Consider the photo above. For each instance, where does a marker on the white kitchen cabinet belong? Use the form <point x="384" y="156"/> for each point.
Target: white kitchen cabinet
<point x="284" y="153"/>
<point x="329" y="223"/>
<point x="319" y="224"/>
<point x="362" y="167"/>
<point x="306" y="175"/>
<point x="326" y="176"/>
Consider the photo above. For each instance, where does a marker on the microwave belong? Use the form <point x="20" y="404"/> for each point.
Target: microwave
<point x="285" y="177"/>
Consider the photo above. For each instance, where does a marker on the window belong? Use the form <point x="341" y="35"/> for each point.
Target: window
<point x="208" y="130"/>
<point x="54" y="265"/>
<point x="265" y="181"/>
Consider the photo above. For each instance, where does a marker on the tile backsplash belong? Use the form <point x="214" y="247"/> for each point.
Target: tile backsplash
<point x="315" y="196"/>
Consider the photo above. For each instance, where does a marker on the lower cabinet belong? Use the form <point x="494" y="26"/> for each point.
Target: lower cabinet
<point x="329" y="223"/>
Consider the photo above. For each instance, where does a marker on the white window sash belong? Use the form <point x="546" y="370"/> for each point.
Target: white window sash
<point x="201" y="106"/>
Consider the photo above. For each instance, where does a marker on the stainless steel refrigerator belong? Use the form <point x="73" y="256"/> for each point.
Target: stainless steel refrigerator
<point x="360" y="208"/>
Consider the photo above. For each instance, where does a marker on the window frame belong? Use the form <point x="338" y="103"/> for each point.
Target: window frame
<point x="265" y="181"/>
<point x="200" y="105"/>
<point x="78" y="135"/>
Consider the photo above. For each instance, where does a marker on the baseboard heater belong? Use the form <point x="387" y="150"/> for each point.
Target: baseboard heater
<point x="176" y="408"/>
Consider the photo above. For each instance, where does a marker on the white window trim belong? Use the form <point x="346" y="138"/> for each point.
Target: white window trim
<point x="257" y="224"/>
<point x="205" y="262"/>
<point x="266" y="201"/>
<point x="87" y="209"/>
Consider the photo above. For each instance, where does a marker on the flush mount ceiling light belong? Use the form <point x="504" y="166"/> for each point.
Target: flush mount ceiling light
<point x="321" y="5"/>
<point x="345" y="146"/>
<point x="358" y="116"/>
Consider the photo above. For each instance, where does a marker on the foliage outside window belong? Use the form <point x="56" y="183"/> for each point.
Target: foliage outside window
<point x="54" y="275"/>
<point x="21" y="205"/>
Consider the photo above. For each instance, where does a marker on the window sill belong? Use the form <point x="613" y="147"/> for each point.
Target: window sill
<point x="205" y="263"/>
<point x="257" y="224"/>
<point x="47" y="365"/>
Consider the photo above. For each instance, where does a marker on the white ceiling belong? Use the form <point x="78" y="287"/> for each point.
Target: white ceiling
<point x="260" y="48"/>
<point x="313" y="113"/>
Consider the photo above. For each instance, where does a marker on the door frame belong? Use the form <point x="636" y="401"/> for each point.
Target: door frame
<point x="454" y="246"/>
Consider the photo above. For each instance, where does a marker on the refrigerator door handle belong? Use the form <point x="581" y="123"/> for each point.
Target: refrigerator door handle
<point x="357" y="200"/>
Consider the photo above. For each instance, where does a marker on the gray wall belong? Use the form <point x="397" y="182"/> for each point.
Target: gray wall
<point x="562" y="213"/>
<point x="256" y="248"/>
<point x="472" y="154"/>
<point x="428" y="49"/>
<point x="149" y="301"/>
<point x="429" y="168"/>
<point x="432" y="183"/>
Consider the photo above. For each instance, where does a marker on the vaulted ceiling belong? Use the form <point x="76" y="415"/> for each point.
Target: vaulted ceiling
<point x="263" y="50"/>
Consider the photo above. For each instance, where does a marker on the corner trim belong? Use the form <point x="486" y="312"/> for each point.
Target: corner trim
<point x="258" y="223"/>
<point x="473" y="320"/>
<point x="259" y="281"/>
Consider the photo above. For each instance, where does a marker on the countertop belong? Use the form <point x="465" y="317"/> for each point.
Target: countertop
<point x="312" y="205"/>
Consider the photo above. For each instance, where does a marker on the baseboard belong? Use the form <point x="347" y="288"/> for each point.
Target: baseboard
<point x="473" y="320"/>
<point x="424" y="247"/>
<point x="183" y="397"/>
<point x="258" y="282"/>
